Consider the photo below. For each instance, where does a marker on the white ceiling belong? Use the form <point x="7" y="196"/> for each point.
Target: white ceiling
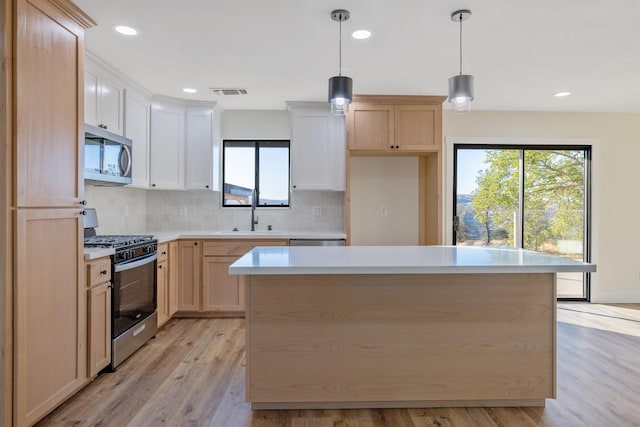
<point x="520" y="52"/>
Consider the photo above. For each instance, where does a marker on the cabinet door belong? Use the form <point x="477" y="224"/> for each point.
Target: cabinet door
<point x="111" y="104"/>
<point x="310" y="150"/>
<point x="199" y="149"/>
<point x="189" y="275"/>
<point x="167" y="147"/>
<point x="90" y="96"/>
<point x="137" y="129"/>
<point x="99" y="328"/>
<point x="173" y="278"/>
<point x="48" y="102"/>
<point x="221" y="291"/>
<point x="161" y="292"/>
<point x="371" y="127"/>
<point x="415" y="127"/>
<point x="50" y="351"/>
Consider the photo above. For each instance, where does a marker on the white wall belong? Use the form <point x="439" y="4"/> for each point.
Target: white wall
<point x="249" y="124"/>
<point x="616" y="175"/>
<point x="384" y="182"/>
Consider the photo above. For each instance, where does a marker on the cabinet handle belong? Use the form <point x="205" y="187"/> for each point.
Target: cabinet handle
<point x="195" y="243"/>
<point x="159" y="266"/>
<point x="105" y="126"/>
<point x="103" y="272"/>
<point x="83" y="202"/>
<point x="294" y="186"/>
<point x="207" y="186"/>
<point x="82" y="212"/>
<point x="164" y="252"/>
<point x="153" y="185"/>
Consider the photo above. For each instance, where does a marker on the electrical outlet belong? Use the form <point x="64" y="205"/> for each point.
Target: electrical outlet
<point x="317" y="211"/>
<point x="183" y="210"/>
<point x="383" y="211"/>
<point x="125" y="210"/>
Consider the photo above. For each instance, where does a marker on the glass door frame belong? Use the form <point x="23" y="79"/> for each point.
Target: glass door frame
<point x="588" y="179"/>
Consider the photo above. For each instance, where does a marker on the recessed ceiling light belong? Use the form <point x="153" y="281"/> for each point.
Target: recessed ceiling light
<point x="561" y="94"/>
<point x="361" y="34"/>
<point x="189" y="90"/>
<point x="127" y="31"/>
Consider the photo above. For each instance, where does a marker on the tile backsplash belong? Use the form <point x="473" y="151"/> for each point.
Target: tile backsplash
<point x="131" y="210"/>
<point x="120" y="210"/>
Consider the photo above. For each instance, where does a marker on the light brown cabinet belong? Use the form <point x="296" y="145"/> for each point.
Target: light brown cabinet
<point x="162" y="284"/>
<point x="99" y="316"/>
<point x="395" y="125"/>
<point x="388" y="124"/>
<point x="50" y="296"/>
<point x="189" y="279"/>
<point x="50" y="347"/>
<point x="217" y="292"/>
<point x="221" y="291"/>
<point x="173" y="278"/>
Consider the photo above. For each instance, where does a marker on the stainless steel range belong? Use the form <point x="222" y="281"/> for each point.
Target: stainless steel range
<point x="133" y="304"/>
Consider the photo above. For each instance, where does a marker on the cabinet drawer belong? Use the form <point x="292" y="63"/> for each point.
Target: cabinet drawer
<point x="237" y="247"/>
<point x="163" y="252"/>
<point x="98" y="271"/>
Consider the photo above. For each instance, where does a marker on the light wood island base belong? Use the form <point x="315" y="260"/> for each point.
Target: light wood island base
<point x="396" y="340"/>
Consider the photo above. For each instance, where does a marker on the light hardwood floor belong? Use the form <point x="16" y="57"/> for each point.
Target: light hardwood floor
<point x="192" y="374"/>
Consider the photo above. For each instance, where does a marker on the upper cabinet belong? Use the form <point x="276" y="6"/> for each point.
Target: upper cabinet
<point x="402" y="124"/>
<point x="318" y="148"/>
<point x="103" y="99"/>
<point x="136" y="128"/>
<point x="202" y="148"/>
<point x="184" y="145"/>
<point x="167" y="146"/>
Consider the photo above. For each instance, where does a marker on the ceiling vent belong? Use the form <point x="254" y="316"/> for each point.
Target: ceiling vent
<point x="229" y="91"/>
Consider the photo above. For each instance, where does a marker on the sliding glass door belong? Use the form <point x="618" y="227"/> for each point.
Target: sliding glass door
<point x="532" y="197"/>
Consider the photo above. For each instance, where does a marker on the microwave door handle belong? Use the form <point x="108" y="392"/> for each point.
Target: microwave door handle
<point x="135" y="264"/>
<point x="125" y="170"/>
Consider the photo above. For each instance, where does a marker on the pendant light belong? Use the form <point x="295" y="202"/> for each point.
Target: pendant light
<point x="340" y="87"/>
<point x="461" y="86"/>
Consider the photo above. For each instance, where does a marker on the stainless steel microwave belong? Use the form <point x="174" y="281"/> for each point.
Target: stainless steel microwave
<point x="107" y="157"/>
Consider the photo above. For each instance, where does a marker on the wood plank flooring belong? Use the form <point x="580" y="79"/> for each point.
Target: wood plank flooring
<point x="192" y="374"/>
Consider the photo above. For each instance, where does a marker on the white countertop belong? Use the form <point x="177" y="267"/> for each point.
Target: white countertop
<point x="95" y="253"/>
<point x="400" y="260"/>
<point x="166" y="236"/>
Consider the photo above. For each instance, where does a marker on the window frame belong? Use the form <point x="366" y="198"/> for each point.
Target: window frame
<point x="257" y="144"/>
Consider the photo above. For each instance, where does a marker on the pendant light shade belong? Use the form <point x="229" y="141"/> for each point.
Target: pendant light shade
<point x="340" y="93"/>
<point x="340" y="87"/>
<point x="461" y="86"/>
<point x="461" y="92"/>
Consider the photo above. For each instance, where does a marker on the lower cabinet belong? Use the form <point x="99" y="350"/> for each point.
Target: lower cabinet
<point x="204" y="283"/>
<point x="98" y="315"/>
<point x="162" y="284"/>
<point x="99" y="328"/>
<point x="189" y="261"/>
<point x="221" y="291"/>
<point x="50" y="353"/>
<point x="173" y="278"/>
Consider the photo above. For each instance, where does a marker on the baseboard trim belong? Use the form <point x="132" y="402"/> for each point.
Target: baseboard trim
<point x="401" y="404"/>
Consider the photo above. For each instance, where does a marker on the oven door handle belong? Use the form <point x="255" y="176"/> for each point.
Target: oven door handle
<point x="135" y="264"/>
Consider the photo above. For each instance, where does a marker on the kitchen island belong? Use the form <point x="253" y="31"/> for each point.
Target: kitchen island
<point x="400" y="326"/>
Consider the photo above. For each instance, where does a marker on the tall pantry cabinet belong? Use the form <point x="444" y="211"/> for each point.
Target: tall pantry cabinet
<point x="45" y="109"/>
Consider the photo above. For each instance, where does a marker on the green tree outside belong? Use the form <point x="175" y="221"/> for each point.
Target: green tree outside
<point x="553" y="197"/>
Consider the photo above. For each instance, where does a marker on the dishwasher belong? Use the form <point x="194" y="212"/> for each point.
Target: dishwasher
<point x="317" y="242"/>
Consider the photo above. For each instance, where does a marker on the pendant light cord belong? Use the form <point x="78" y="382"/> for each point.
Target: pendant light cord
<point x="460" y="19"/>
<point x="340" y="51"/>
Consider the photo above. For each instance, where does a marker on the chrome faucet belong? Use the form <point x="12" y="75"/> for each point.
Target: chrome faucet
<point x="254" y="202"/>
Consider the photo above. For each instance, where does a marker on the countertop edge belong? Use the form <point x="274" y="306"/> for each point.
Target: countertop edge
<point x="409" y="270"/>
